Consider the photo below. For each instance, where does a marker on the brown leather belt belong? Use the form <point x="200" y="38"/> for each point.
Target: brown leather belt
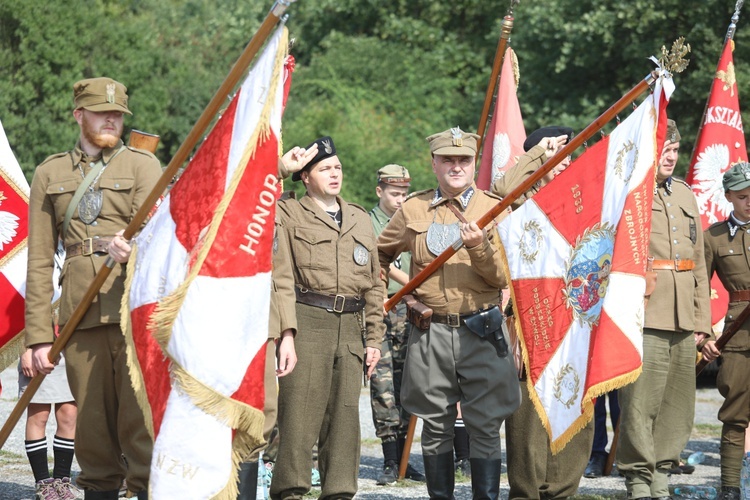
<point x="673" y="265"/>
<point x="739" y="296"/>
<point x="454" y="320"/>
<point x="87" y="247"/>
<point x="335" y="303"/>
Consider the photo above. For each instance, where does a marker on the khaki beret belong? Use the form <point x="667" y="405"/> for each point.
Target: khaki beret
<point x="326" y="149"/>
<point x="101" y="94"/>
<point x="737" y="177"/>
<point x="673" y="135"/>
<point x="453" y="142"/>
<point x="394" y="175"/>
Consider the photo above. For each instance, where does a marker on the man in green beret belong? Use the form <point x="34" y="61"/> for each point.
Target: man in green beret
<point x="459" y="353"/>
<point x="339" y="300"/>
<point x="657" y="410"/>
<point x="391" y="421"/>
<point x="727" y="245"/>
<point x="86" y="197"/>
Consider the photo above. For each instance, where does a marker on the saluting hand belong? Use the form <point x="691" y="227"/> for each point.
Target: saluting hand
<point x="371" y="360"/>
<point x="286" y="355"/>
<point x="119" y="249"/>
<point x="472" y="235"/>
<point x="296" y="158"/>
<point x="553" y="144"/>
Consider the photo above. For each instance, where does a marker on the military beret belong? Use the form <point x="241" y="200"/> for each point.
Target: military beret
<point x="541" y="133"/>
<point x="737" y="177"/>
<point x="673" y="135"/>
<point x="394" y="175"/>
<point x="326" y="149"/>
<point x="453" y="142"/>
<point x="101" y="94"/>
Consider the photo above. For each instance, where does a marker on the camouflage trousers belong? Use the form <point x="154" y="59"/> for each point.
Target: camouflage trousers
<point x="390" y="419"/>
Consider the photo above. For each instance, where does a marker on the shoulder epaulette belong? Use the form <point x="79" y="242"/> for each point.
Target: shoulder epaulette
<point x="54" y="157"/>
<point x="492" y="195"/>
<point x="681" y="182"/>
<point x="357" y="206"/>
<point x="417" y="193"/>
<point x="142" y="151"/>
<point x="717" y="224"/>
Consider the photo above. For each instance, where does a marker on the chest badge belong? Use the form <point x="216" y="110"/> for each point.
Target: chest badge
<point x="361" y="255"/>
<point x="441" y="236"/>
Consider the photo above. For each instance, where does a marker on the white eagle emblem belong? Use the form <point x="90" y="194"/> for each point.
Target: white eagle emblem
<point x="707" y="185"/>
<point x="8" y="225"/>
<point x="500" y="154"/>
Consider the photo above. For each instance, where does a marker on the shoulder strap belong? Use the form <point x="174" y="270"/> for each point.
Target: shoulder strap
<point x="98" y="166"/>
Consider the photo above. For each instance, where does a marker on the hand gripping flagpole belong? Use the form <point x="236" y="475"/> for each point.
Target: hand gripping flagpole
<point x="505" y="29"/>
<point x="729" y="38"/>
<point x="195" y="135"/>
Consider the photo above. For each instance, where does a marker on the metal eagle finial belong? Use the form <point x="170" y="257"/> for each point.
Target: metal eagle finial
<point x="674" y="60"/>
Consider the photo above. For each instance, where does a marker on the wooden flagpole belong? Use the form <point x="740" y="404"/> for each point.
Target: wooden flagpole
<point x="195" y="135"/>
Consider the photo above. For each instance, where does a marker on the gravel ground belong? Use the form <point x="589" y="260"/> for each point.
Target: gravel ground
<point x="17" y="482"/>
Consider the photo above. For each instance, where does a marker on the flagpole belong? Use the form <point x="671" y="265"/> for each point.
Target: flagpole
<point x="505" y="29"/>
<point x="728" y="38"/>
<point x="192" y="139"/>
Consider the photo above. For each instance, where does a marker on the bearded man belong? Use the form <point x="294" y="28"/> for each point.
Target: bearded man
<point x="86" y="197"/>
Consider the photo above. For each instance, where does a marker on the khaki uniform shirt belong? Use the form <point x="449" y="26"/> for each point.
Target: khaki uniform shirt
<point x="282" y="316"/>
<point x="323" y="256"/>
<point x="125" y="183"/>
<point x="472" y="278"/>
<point x="729" y="257"/>
<point x="527" y="164"/>
<point x="403" y="261"/>
<point x="680" y="300"/>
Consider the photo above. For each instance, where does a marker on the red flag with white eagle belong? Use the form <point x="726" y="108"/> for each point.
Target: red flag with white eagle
<point x="720" y="144"/>
<point x="505" y="135"/>
<point x="199" y="283"/>
<point x="576" y="255"/>
<point x="14" y="225"/>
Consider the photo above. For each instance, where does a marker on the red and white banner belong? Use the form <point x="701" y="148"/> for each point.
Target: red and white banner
<point x="199" y="295"/>
<point x="503" y="143"/>
<point x="720" y="144"/>
<point x="14" y="228"/>
<point x="576" y="255"/>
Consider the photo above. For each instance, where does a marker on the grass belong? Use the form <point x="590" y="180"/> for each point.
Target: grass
<point x="707" y="430"/>
<point x="8" y="457"/>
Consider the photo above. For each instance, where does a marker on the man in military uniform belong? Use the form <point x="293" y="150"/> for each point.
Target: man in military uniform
<point x="339" y="298"/>
<point x="727" y="245"/>
<point x="86" y="197"/>
<point x="389" y="417"/>
<point x="462" y="355"/>
<point x="657" y="410"/>
<point x="533" y="471"/>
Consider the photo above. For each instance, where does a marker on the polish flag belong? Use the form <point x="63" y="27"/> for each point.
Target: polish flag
<point x="720" y="144"/>
<point x="198" y="296"/>
<point x="576" y="255"/>
<point x="14" y="228"/>
<point x="505" y="135"/>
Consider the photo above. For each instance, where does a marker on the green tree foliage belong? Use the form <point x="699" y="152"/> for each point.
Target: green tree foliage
<point x="377" y="75"/>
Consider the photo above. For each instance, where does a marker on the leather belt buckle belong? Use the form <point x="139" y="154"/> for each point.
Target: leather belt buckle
<point x="336" y="307"/>
<point x="453" y="320"/>
<point x="87" y="247"/>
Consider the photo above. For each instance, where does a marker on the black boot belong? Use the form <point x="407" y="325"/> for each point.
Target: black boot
<point x="485" y="478"/>
<point x="143" y="495"/>
<point x="248" y="475"/>
<point x="440" y="475"/>
<point x="101" y="495"/>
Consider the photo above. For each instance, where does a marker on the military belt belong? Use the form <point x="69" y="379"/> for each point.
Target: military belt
<point x="87" y="247"/>
<point x="335" y="303"/>
<point x="739" y="296"/>
<point x="673" y="265"/>
<point x="455" y="320"/>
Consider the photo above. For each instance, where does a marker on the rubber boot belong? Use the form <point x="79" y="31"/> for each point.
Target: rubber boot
<point x="101" y="495"/>
<point x="440" y="475"/>
<point x="485" y="478"/>
<point x="248" y="476"/>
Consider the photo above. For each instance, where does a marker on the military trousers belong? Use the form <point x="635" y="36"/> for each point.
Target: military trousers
<point x="319" y="401"/>
<point x="656" y="413"/>
<point x="388" y="415"/>
<point x="270" y="401"/>
<point x="446" y="365"/>
<point x="733" y="383"/>
<point x="110" y="422"/>
<point x="533" y="471"/>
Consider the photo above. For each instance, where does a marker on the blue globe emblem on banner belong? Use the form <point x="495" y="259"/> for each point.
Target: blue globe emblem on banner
<point x="587" y="274"/>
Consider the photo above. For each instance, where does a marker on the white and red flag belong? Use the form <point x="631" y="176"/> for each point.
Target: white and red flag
<point x="14" y="228"/>
<point x="198" y="294"/>
<point x="576" y="255"/>
<point x="503" y="143"/>
<point x="720" y="144"/>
